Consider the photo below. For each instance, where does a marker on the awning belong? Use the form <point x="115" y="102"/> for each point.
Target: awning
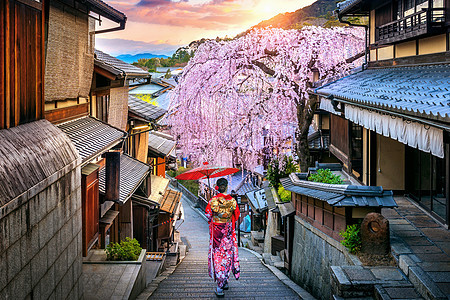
<point x="158" y="188"/>
<point x="340" y="194"/>
<point x="132" y="174"/>
<point x="160" y="144"/>
<point x="170" y="201"/>
<point x="92" y="137"/>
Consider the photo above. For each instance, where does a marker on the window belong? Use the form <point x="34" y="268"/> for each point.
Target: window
<point x="426" y="181"/>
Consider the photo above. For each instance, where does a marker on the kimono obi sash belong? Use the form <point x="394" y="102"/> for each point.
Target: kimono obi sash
<point x="217" y="219"/>
<point x="223" y="207"/>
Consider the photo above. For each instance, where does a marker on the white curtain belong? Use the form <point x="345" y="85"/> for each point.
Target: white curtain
<point x="424" y="137"/>
<point x="325" y="104"/>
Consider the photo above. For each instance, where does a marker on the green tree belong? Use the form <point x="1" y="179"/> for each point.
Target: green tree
<point x="280" y="168"/>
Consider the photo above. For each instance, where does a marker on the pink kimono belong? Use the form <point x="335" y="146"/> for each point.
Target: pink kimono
<point x="222" y="212"/>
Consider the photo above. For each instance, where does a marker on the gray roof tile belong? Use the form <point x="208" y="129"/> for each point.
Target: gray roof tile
<point x="132" y="173"/>
<point x="353" y="196"/>
<point x="91" y="137"/>
<point x="160" y="143"/>
<point x="418" y="90"/>
<point x="144" y="109"/>
<point x="117" y="66"/>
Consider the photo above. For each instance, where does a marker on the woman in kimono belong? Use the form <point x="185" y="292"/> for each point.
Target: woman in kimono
<point x="222" y="212"/>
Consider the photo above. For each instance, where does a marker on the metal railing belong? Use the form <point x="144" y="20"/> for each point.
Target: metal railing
<point x="419" y="23"/>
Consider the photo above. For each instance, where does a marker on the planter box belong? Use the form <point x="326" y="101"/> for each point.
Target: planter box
<point x="130" y="281"/>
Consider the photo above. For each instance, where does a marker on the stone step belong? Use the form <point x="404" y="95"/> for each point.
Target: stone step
<point x="403" y="292"/>
<point x="275" y="258"/>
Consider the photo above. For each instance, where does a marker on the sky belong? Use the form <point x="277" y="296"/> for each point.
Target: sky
<point x="162" y="26"/>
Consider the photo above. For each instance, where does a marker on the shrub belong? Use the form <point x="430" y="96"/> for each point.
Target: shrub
<point x="352" y="238"/>
<point x="326" y="176"/>
<point x="126" y="250"/>
<point x="285" y="196"/>
<point x="278" y="169"/>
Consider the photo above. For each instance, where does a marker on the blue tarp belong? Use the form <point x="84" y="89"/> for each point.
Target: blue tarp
<point x="246" y="224"/>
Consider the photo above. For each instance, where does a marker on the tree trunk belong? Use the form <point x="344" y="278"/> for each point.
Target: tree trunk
<point x="305" y="114"/>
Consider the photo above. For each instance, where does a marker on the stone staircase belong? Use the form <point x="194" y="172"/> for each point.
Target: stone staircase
<point x="380" y="283"/>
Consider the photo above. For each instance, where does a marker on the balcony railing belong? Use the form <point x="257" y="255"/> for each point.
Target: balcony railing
<point x="423" y="22"/>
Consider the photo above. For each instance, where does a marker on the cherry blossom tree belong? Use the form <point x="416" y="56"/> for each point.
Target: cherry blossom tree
<point x="239" y="96"/>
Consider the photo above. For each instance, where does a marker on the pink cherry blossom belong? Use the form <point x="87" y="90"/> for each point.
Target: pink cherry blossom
<point x="232" y="93"/>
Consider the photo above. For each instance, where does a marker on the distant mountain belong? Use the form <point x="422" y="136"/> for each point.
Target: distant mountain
<point x="317" y="13"/>
<point x="129" y="58"/>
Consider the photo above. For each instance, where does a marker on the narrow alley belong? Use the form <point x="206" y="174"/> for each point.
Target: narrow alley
<point x="191" y="281"/>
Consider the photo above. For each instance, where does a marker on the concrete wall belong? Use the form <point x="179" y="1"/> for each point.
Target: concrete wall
<point x="313" y="254"/>
<point x="390" y="163"/>
<point x="41" y="244"/>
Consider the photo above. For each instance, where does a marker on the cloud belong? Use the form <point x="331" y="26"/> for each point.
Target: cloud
<point x="210" y="15"/>
<point x="123" y="46"/>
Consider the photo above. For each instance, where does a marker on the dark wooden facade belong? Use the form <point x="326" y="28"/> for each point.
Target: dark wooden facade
<point x="21" y="62"/>
<point x="330" y="220"/>
<point x="90" y="206"/>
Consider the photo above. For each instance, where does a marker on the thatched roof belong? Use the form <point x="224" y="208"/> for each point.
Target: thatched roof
<point x="31" y="154"/>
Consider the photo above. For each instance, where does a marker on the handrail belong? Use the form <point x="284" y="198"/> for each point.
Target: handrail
<point x="410" y="23"/>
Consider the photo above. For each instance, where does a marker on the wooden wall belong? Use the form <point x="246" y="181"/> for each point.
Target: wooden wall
<point x="21" y="62"/>
<point x="330" y="220"/>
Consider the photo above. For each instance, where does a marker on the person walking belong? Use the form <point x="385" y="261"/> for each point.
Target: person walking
<point x="222" y="212"/>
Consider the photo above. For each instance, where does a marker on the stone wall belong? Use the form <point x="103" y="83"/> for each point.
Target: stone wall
<point x="40" y="214"/>
<point x="313" y="254"/>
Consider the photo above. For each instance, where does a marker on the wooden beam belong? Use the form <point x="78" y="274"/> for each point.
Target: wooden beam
<point x="104" y="73"/>
<point x="60" y="115"/>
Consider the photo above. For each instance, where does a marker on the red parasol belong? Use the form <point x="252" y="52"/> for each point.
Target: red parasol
<point x="206" y="171"/>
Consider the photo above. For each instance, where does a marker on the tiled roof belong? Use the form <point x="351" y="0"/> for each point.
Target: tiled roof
<point x="30" y="154"/>
<point x="170" y="201"/>
<point x="132" y="173"/>
<point x="418" y="90"/>
<point x="286" y="208"/>
<point x="247" y="186"/>
<point x="161" y="144"/>
<point x="344" y="5"/>
<point x="145" y="110"/>
<point x="117" y="66"/>
<point x="159" y="186"/>
<point x="146" y="89"/>
<point x="106" y="10"/>
<point x="91" y="137"/>
<point x="341" y="195"/>
<point x="163" y="101"/>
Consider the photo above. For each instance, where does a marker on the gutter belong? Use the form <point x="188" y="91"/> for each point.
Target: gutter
<point x="366" y="28"/>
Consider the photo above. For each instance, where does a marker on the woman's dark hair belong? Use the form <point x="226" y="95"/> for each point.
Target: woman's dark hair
<point x="222" y="183"/>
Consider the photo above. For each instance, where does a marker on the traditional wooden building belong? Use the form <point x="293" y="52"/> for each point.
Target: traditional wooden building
<point x="390" y="122"/>
<point x="142" y="119"/>
<point x="45" y="61"/>
<point x="161" y="151"/>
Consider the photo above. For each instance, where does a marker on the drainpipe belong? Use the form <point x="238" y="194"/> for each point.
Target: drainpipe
<point x="366" y="28"/>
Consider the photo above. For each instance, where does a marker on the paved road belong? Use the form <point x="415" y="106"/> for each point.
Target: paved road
<point x="191" y="280"/>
